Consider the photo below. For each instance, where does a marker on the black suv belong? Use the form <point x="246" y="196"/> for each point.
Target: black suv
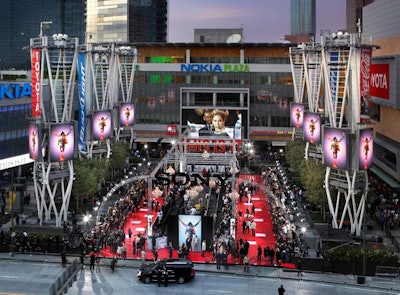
<point x="180" y="270"/>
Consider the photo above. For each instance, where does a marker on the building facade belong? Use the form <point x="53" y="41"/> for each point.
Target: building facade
<point x="127" y="21"/>
<point x="22" y="21"/>
<point x="302" y="21"/>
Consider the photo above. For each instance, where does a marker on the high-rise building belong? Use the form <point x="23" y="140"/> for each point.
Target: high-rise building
<point x="127" y="21"/>
<point x="354" y="10"/>
<point x="21" y="21"/>
<point x="302" y="21"/>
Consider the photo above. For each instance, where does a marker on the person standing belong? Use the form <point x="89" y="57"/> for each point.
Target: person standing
<point x="159" y="275"/>
<point x="113" y="263"/>
<point x="281" y="290"/>
<point x="246" y="263"/>
<point x="170" y="249"/>
<point x="92" y="260"/>
<point x="64" y="257"/>
<point x="259" y="253"/>
<point x="203" y="248"/>
<point x="143" y="256"/>
<point x="165" y="273"/>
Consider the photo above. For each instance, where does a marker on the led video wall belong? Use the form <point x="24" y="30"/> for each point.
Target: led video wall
<point x="102" y="128"/>
<point x="297" y="114"/>
<point x="336" y="148"/>
<point x="312" y="128"/>
<point x="220" y="123"/>
<point x="126" y="114"/>
<point x="62" y="142"/>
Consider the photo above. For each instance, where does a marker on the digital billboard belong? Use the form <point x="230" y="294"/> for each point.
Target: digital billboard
<point x="312" y="128"/>
<point x="126" y="114"/>
<point x="101" y="125"/>
<point x="335" y="148"/>
<point x="34" y="141"/>
<point x="218" y="123"/>
<point x="297" y="114"/>
<point x="366" y="148"/>
<point x="62" y="142"/>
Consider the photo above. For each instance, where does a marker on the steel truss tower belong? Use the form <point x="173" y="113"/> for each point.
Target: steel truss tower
<point x="332" y="68"/>
<point x="109" y="82"/>
<point x="53" y="180"/>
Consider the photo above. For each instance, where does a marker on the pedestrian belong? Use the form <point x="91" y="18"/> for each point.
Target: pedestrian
<point x="170" y="249"/>
<point x="98" y="263"/>
<point x="129" y="233"/>
<point x="246" y="263"/>
<point x="165" y="274"/>
<point x="203" y="248"/>
<point x="143" y="256"/>
<point x="155" y="254"/>
<point x="299" y="268"/>
<point x="281" y="290"/>
<point x="64" y="257"/>
<point x="92" y="260"/>
<point x="259" y="253"/>
<point x="113" y="263"/>
<point x="159" y="275"/>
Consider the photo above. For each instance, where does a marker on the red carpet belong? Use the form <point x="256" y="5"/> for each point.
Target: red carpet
<point x="263" y="236"/>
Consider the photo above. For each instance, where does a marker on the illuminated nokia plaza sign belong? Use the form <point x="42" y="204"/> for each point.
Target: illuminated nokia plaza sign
<point x="15" y="90"/>
<point x="237" y="68"/>
<point x="180" y="178"/>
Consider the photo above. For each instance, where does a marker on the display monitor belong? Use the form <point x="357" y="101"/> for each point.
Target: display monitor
<point x="335" y="148"/>
<point x="62" y="142"/>
<point x="102" y="125"/>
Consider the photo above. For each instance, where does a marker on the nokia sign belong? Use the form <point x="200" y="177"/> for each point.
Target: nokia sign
<point x="15" y="90"/>
<point x="237" y="68"/>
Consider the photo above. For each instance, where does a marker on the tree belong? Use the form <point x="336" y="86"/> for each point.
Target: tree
<point x="88" y="175"/>
<point x="312" y="175"/>
<point x="120" y="153"/>
<point x="294" y="154"/>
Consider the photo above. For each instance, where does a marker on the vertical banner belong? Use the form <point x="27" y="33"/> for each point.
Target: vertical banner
<point x="365" y="78"/>
<point x="35" y="64"/>
<point x="82" y="103"/>
<point x="366" y="149"/>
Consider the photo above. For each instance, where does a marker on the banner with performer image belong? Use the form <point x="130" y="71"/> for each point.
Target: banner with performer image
<point x="101" y="125"/>
<point x="189" y="231"/>
<point x="62" y="142"/>
<point x="126" y="114"/>
<point x="335" y="148"/>
<point x="34" y="141"/>
<point x="366" y="149"/>
<point x="297" y="114"/>
<point x="312" y="128"/>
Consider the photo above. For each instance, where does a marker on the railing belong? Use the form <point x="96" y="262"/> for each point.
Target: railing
<point x="66" y="279"/>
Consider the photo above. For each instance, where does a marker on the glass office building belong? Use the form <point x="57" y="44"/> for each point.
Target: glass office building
<point x="21" y="21"/>
<point x="303" y="17"/>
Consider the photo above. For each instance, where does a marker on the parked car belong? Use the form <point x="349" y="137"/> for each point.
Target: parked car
<point x="179" y="270"/>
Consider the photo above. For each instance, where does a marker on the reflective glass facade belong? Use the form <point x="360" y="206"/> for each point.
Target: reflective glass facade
<point x="303" y="17"/>
<point x="21" y="21"/>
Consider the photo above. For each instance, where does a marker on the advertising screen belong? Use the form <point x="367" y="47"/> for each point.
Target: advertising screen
<point x="126" y="114"/>
<point x="366" y="148"/>
<point x="102" y="125"/>
<point x="312" y="128"/>
<point x="297" y="114"/>
<point x="188" y="229"/>
<point x="216" y="123"/>
<point x="62" y="142"/>
<point x="335" y="148"/>
<point x="34" y="141"/>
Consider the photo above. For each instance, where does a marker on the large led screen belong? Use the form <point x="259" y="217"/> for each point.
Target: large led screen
<point x="126" y="114"/>
<point x="101" y="125"/>
<point x="296" y="114"/>
<point x="216" y="122"/>
<point x="312" y="128"/>
<point x="62" y="142"/>
<point x="366" y="148"/>
<point x="189" y="227"/>
<point x="335" y="143"/>
<point x="34" y="141"/>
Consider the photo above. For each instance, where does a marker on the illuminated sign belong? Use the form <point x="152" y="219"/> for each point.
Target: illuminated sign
<point x="14" y="90"/>
<point x="380" y="79"/>
<point x="237" y="68"/>
<point x="180" y="178"/>
<point x="211" y="145"/>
